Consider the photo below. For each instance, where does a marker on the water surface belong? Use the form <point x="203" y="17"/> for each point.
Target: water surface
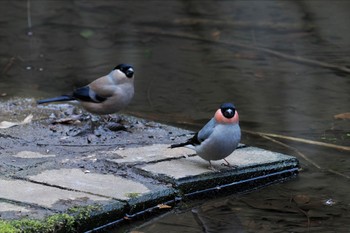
<point x="189" y="57"/>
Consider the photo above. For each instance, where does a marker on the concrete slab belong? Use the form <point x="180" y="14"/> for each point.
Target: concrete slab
<point x="192" y="166"/>
<point x="11" y="211"/>
<point x="32" y="155"/>
<point x="106" y="185"/>
<point x="15" y="211"/>
<point x="253" y="164"/>
<point x="45" y="196"/>
<point x="137" y="195"/>
<point x="11" y="207"/>
<point x="151" y="153"/>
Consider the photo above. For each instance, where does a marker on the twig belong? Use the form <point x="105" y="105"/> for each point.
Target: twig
<point x="86" y="145"/>
<point x="303" y="212"/>
<point x="80" y="145"/>
<point x="297" y="59"/>
<point x="338" y="173"/>
<point x="8" y="65"/>
<point x="294" y="149"/>
<point x="346" y="148"/>
<point x="242" y="24"/>
<point x="29" y="19"/>
<point x="305" y="157"/>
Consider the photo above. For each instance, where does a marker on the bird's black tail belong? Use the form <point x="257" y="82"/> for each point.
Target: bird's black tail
<point x="56" y="99"/>
<point x="179" y="145"/>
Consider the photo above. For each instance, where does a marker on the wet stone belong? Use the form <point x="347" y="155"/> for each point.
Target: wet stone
<point x="250" y="164"/>
<point x="45" y="196"/>
<point x="15" y="211"/>
<point x="137" y="195"/>
<point x="106" y="185"/>
<point x="152" y="153"/>
<point x="32" y="155"/>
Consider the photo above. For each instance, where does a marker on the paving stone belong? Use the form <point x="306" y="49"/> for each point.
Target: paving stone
<point x="193" y="174"/>
<point x="150" y="153"/>
<point x="11" y="207"/>
<point x="102" y="184"/>
<point x="137" y="195"/>
<point x="14" y="211"/>
<point x="32" y="155"/>
<point x="45" y="196"/>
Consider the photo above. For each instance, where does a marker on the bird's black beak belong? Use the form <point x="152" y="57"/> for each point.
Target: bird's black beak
<point x="129" y="73"/>
<point x="229" y="113"/>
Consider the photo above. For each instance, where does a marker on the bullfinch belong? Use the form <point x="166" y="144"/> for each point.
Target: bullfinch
<point x="219" y="137"/>
<point x="106" y="95"/>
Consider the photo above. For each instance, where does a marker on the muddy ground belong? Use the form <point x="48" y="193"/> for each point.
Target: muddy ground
<point x="65" y="136"/>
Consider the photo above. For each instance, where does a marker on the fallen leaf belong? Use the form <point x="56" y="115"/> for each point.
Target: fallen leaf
<point x="9" y="124"/>
<point x="28" y="119"/>
<point x="301" y="199"/>
<point x="163" y="206"/>
<point x="342" y="116"/>
<point x="216" y="35"/>
<point x="68" y="121"/>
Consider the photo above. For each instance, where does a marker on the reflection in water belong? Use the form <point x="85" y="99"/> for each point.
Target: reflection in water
<point x="181" y="79"/>
<point x="217" y="218"/>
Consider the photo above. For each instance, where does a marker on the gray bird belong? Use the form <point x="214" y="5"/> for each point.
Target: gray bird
<point x="106" y="95"/>
<point x="219" y="137"/>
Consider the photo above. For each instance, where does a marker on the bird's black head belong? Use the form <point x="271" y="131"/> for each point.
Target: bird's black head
<point x="228" y="110"/>
<point x="128" y="70"/>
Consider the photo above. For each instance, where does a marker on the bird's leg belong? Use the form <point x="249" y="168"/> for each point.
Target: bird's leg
<point x="211" y="167"/>
<point x="94" y="124"/>
<point x="227" y="163"/>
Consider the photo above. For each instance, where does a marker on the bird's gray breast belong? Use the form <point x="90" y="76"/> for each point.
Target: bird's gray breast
<point x="221" y="143"/>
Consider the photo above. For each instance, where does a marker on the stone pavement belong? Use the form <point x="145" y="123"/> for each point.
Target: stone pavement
<point x="64" y="187"/>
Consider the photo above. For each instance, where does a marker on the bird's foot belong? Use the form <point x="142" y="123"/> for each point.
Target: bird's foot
<point x="115" y="126"/>
<point x="108" y="118"/>
<point x="113" y="122"/>
<point x="227" y="164"/>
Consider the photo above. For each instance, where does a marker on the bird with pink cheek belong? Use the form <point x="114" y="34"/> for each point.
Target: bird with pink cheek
<point x="218" y="138"/>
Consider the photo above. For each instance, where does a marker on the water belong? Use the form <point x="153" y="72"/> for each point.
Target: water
<point x="189" y="57"/>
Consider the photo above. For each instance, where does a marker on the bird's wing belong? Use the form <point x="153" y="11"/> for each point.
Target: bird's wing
<point x="206" y="131"/>
<point x="202" y="134"/>
<point x="87" y="94"/>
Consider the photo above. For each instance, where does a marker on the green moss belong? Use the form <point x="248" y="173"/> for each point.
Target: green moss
<point x="6" y="227"/>
<point x="66" y="222"/>
<point x="132" y="195"/>
<point x="83" y="212"/>
<point x="61" y="221"/>
<point x="29" y="225"/>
